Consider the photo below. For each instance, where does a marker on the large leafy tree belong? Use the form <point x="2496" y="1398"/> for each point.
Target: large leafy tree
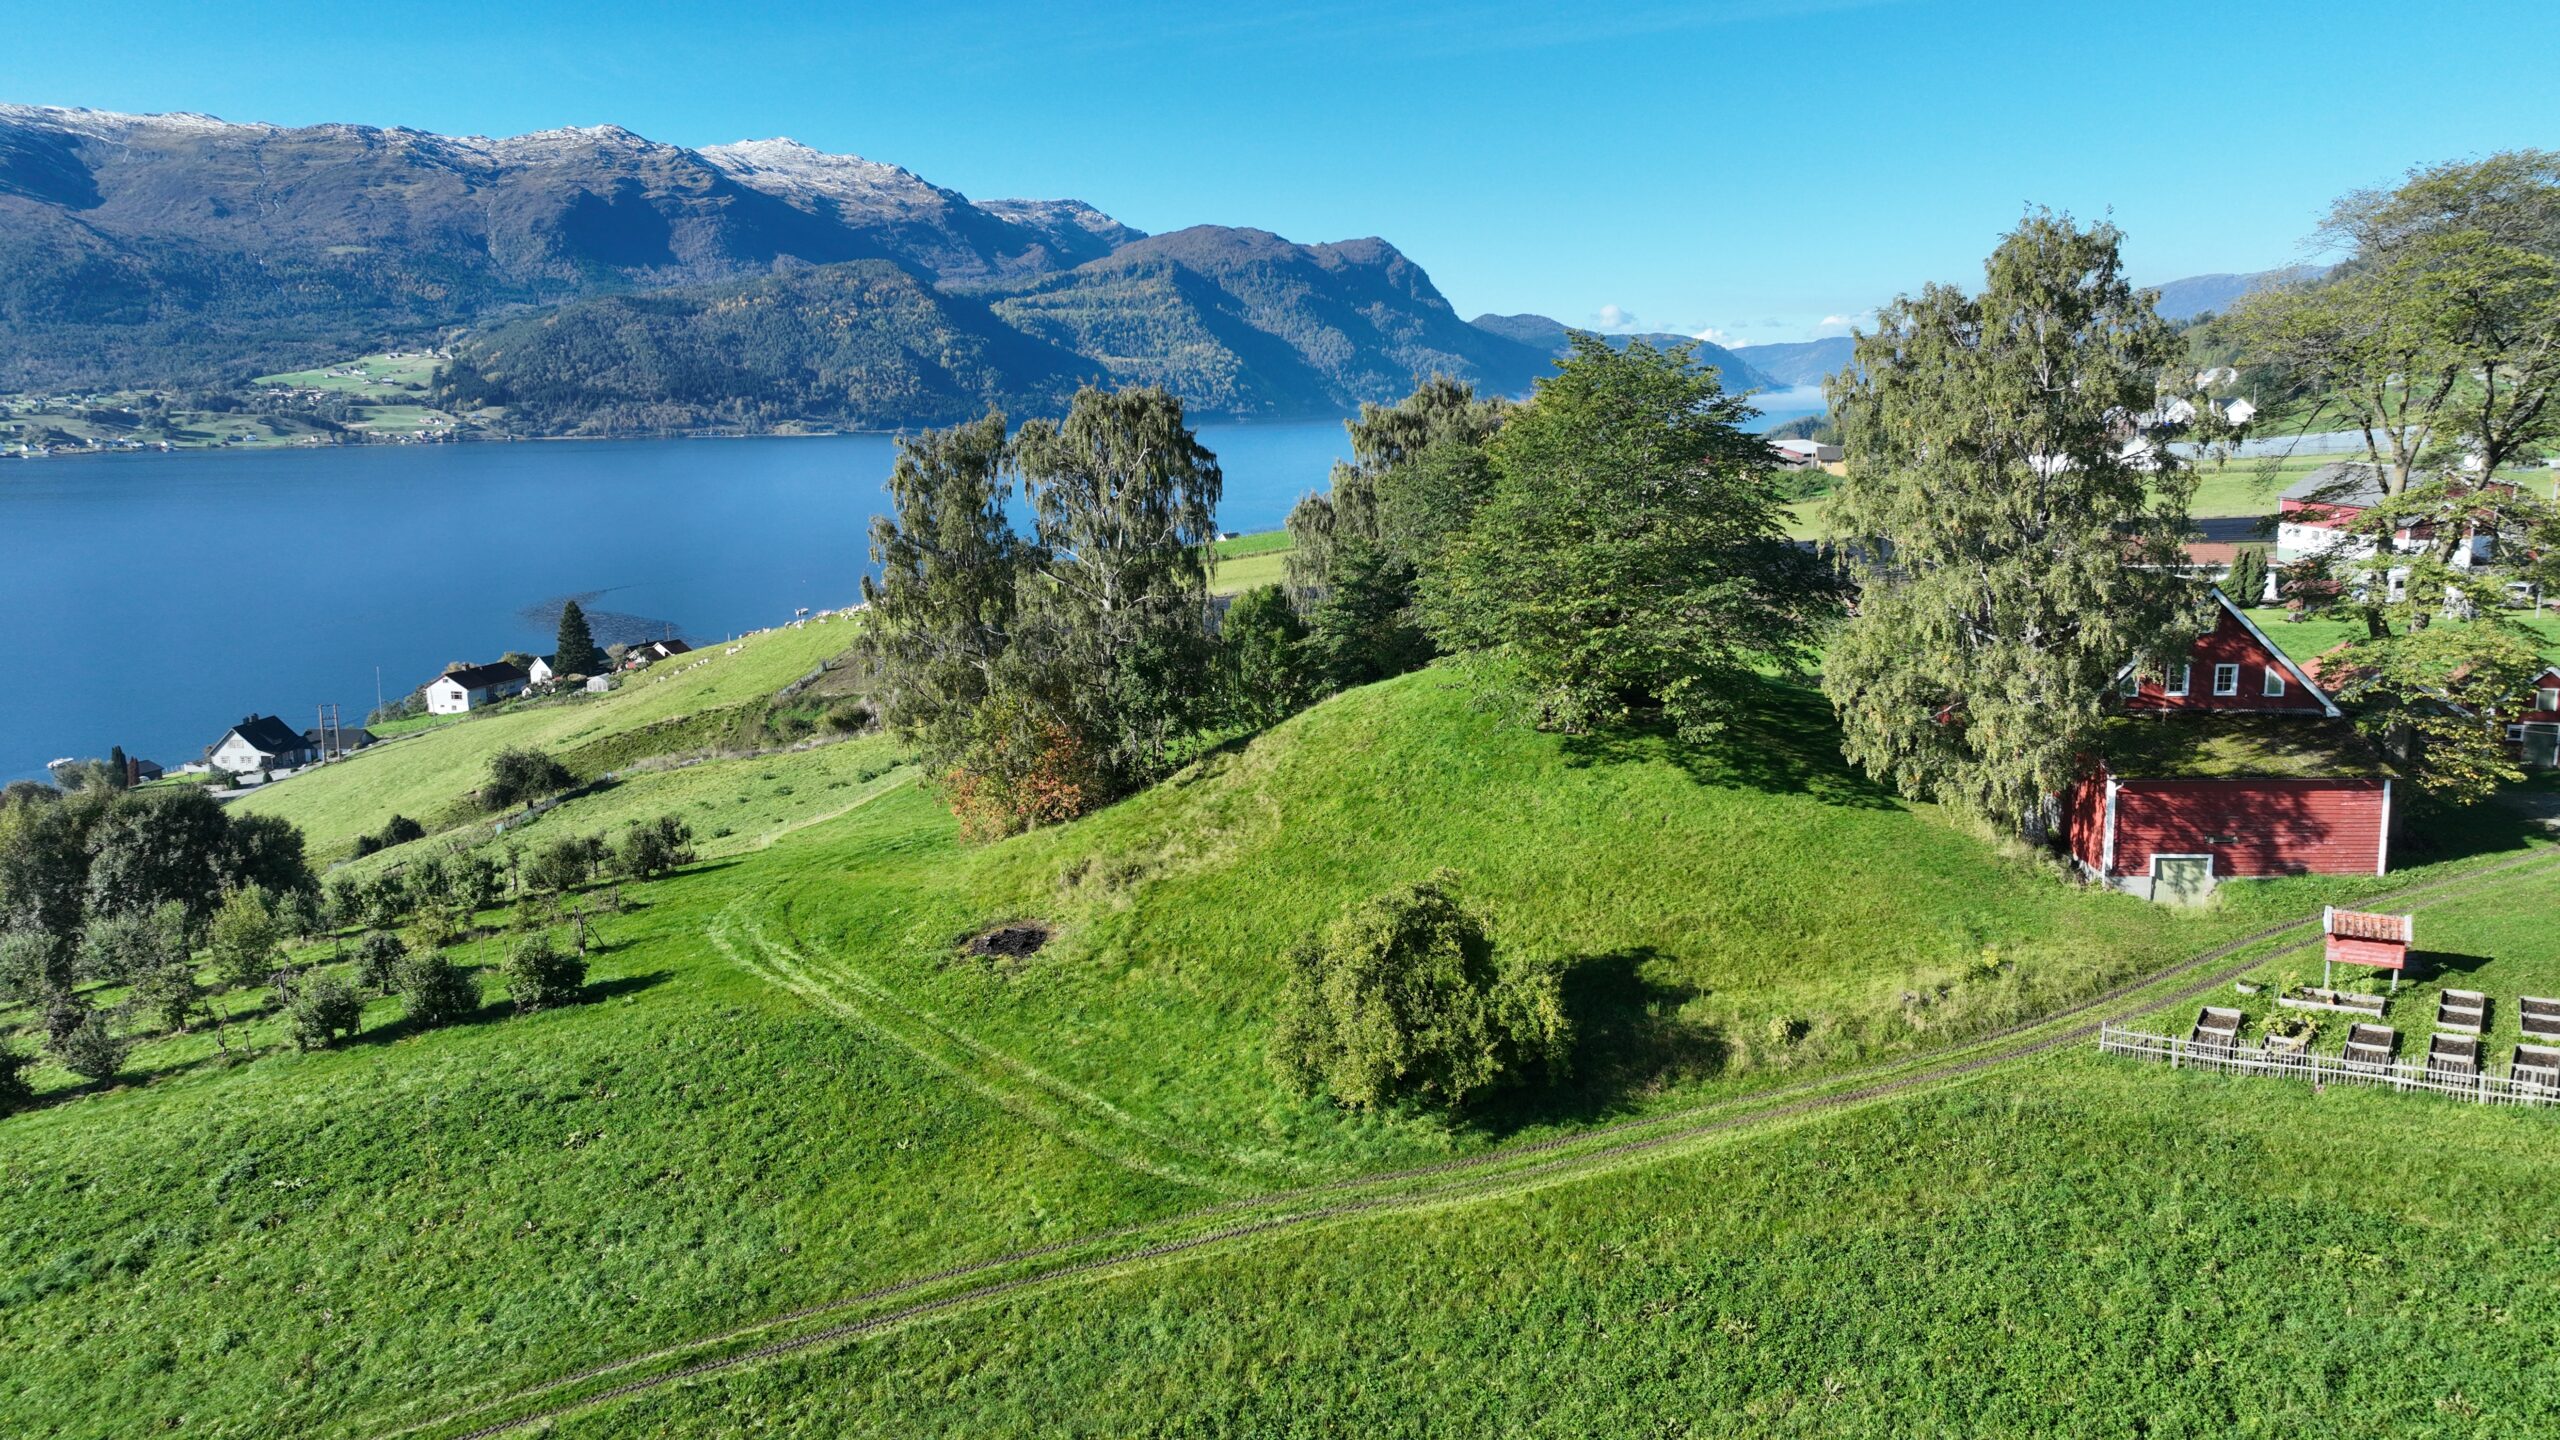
<point x="941" y="611"/>
<point x="1125" y="502"/>
<point x="1416" y="472"/>
<point x="1627" y="556"/>
<point x="2010" y="558"/>
<point x="2438" y="332"/>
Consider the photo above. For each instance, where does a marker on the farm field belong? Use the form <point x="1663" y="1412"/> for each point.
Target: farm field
<point x="1250" y="561"/>
<point x="788" y="1085"/>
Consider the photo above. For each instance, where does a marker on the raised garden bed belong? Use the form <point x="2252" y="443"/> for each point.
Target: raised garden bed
<point x="2312" y="997"/>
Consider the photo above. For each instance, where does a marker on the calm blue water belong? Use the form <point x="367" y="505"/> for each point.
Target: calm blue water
<point x="151" y="600"/>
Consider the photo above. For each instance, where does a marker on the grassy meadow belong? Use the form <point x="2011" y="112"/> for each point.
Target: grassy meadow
<point x="789" y="1083"/>
<point x="671" y="706"/>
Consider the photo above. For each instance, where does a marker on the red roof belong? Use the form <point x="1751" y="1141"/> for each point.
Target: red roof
<point x="2365" y="925"/>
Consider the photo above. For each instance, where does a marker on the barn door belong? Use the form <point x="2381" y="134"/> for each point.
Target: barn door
<point x="2541" y="747"/>
<point x="2182" y="879"/>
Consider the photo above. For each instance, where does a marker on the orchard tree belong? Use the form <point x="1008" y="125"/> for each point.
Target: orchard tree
<point x="1628" y="557"/>
<point x="2010" y="559"/>
<point x="244" y="941"/>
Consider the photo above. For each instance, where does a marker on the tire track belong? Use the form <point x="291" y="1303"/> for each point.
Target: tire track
<point x="1048" y="1119"/>
<point x="1505" y="1177"/>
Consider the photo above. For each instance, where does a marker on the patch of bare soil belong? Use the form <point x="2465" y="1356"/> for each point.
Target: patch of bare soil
<point x="1013" y="940"/>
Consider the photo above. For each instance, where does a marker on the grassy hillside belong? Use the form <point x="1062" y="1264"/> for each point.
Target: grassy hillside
<point x="790" y="1085"/>
<point x="2076" y="1245"/>
<point x="669" y="707"/>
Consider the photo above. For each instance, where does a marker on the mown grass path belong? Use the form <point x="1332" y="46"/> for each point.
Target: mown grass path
<point x="1511" y="1170"/>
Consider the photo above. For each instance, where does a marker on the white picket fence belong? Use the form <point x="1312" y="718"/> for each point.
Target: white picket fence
<point x="2482" y="1089"/>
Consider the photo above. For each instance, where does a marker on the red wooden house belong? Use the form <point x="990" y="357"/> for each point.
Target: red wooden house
<point x="2234" y="764"/>
<point x="2535" y="730"/>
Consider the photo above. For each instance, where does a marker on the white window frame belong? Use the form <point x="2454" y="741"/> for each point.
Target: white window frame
<point x="2226" y="679"/>
<point x="2181" y="678"/>
<point x="2547" y="698"/>
<point x="2515" y="732"/>
<point x="2274" y="685"/>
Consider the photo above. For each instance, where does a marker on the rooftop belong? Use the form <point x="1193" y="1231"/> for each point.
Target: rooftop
<point x="2238" y="747"/>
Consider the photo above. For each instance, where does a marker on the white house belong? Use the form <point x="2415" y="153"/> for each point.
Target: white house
<point x="260" y="742"/>
<point x="540" y="671"/>
<point x="456" y="691"/>
<point x="2313" y="512"/>
<point x="1797" y="453"/>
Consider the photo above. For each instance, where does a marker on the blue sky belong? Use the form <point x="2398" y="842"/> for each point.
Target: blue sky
<point x="1758" y="168"/>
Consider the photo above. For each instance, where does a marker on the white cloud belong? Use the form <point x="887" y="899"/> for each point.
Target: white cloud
<point x="1843" y="322"/>
<point x="1714" y="336"/>
<point x="1615" y="318"/>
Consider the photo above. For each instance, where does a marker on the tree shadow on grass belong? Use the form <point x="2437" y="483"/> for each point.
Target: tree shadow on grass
<point x="2492" y="828"/>
<point x="1781" y="739"/>
<point x="1628" y="1041"/>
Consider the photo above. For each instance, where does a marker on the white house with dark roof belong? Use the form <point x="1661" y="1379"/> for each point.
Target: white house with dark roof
<point x="260" y="742"/>
<point x="460" y="690"/>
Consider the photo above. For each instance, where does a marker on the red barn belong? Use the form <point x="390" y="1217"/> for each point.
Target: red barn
<point x="2235" y="764"/>
<point x="2535" y="730"/>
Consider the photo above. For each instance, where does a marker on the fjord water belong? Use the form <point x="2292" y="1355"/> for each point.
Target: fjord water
<point x="151" y="600"/>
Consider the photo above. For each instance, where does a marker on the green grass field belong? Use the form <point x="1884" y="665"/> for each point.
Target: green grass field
<point x="790" y="1084"/>
<point x="382" y="377"/>
<point x="428" y="776"/>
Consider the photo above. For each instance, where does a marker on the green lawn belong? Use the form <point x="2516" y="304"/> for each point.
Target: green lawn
<point x="2081" y="1247"/>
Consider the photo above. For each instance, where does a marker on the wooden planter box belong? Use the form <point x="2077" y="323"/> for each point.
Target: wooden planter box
<point x="2312" y="997"/>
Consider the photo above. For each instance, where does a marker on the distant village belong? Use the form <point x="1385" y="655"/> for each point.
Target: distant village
<point x="261" y="748"/>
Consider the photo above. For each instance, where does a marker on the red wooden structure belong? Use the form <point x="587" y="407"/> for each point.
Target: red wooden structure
<point x="2358" y="937"/>
<point x="2234" y="763"/>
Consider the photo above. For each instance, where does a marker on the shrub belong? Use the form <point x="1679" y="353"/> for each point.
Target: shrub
<point x="519" y="776"/>
<point x="1402" y="998"/>
<point x="378" y="959"/>
<point x="245" y="940"/>
<point x="319" y="1010"/>
<point x="565" y="863"/>
<point x="651" y="848"/>
<point x="435" y="991"/>
<point x="399" y="830"/>
<point x="169" y="991"/>
<point x="90" y="1050"/>
<point x="14" y="1089"/>
<point x="540" y="975"/>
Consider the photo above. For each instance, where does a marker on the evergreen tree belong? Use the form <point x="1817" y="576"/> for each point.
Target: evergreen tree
<point x="2010" y="557"/>
<point x="2247" y="582"/>
<point x="119" y="771"/>
<point x="574" y="650"/>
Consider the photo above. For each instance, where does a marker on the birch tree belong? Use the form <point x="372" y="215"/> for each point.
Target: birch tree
<point x="2010" y="555"/>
